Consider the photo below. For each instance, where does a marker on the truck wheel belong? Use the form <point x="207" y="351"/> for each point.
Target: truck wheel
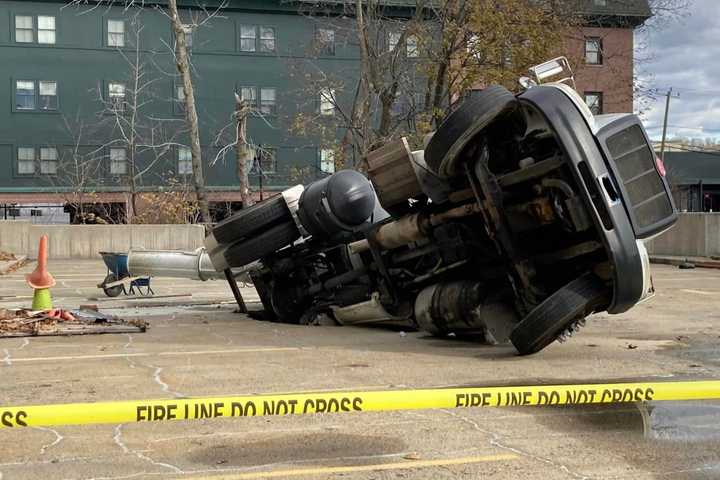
<point x="264" y="243"/>
<point x="252" y="220"/>
<point x="555" y="314"/>
<point x="476" y="113"/>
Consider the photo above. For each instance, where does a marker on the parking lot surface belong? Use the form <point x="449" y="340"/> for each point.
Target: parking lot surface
<point x="197" y="346"/>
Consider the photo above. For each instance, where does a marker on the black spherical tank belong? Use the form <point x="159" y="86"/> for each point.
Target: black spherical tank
<point x="336" y="203"/>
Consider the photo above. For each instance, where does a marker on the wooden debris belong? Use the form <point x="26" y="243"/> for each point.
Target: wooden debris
<point x="27" y="323"/>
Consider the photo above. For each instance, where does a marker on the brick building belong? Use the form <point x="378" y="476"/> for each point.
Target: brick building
<point x="58" y="62"/>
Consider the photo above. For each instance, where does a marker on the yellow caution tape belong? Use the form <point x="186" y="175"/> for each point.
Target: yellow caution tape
<point x="342" y="402"/>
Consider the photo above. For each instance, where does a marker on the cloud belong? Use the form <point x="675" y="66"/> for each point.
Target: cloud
<point x="684" y="55"/>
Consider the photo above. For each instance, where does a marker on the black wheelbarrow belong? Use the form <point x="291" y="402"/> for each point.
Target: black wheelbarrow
<point x="119" y="280"/>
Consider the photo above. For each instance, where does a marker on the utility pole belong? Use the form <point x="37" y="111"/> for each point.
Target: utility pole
<point x="665" y="124"/>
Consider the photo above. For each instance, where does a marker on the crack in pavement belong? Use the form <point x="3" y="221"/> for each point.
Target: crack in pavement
<point x="117" y="438"/>
<point x="130" y="341"/>
<point x="7" y="360"/>
<point x="495" y="440"/>
<point x="165" y="387"/>
<point x="58" y="438"/>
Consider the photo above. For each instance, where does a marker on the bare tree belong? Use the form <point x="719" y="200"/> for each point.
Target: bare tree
<point x="414" y="66"/>
<point x="130" y="123"/>
<point x="76" y="170"/>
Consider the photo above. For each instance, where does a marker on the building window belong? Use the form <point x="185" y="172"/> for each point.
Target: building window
<point x="411" y="47"/>
<point x="116" y="96"/>
<point x="248" y="35"/>
<point x="29" y="28"/>
<point x="118" y="161"/>
<point x="593" y="51"/>
<point x="393" y="40"/>
<point x="180" y="94"/>
<point x="46" y="29"/>
<point x="48" y="161"/>
<point x="48" y="95"/>
<point x="601" y="3"/>
<point x="327" y="160"/>
<point x="268" y="104"/>
<point x="116" y="33"/>
<point x="267" y="39"/>
<point x="25" y="95"/>
<point x="249" y="95"/>
<point x="26" y="160"/>
<point x="268" y="161"/>
<point x="24" y="32"/>
<point x="188" y="29"/>
<point x="184" y="161"/>
<point x="325" y="39"/>
<point x="594" y="102"/>
<point x="327" y="101"/>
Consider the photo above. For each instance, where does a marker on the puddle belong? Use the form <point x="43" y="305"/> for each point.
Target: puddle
<point x="663" y="439"/>
<point x="681" y="421"/>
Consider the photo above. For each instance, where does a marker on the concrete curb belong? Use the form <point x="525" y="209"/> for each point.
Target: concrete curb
<point x="10" y="265"/>
<point x="692" y="262"/>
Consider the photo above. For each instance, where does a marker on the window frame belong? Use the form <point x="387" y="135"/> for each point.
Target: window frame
<point x="40" y="160"/>
<point x="54" y="30"/>
<point x="178" y="104"/>
<point x="260" y="39"/>
<point x="600" y="101"/>
<point x="33" y="28"/>
<point x="177" y="160"/>
<point x="108" y="97"/>
<point x="321" y="152"/>
<point x="36" y="96"/>
<point x="390" y="34"/>
<point x="416" y="49"/>
<point x="106" y="30"/>
<point x="259" y="161"/>
<point x="35" y="165"/>
<point x="40" y="95"/>
<point x="262" y="103"/>
<point x="322" y="44"/>
<point x="241" y="38"/>
<point x="254" y="104"/>
<point x="599" y="43"/>
<point x="110" y="162"/>
<point x="332" y="99"/>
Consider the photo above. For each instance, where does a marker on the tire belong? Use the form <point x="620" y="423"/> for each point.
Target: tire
<point x="477" y="112"/>
<point x="112" y="291"/>
<point x="252" y="220"/>
<point x="555" y="314"/>
<point x="264" y="243"/>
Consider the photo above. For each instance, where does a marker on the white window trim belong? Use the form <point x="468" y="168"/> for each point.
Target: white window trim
<point x="109" y="34"/>
<point x="327" y="160"/>
<point x="32" y="161"/>
<point x="184" y="161"/>
<point x="115" y="161"/>
<point x="327" y="102"/>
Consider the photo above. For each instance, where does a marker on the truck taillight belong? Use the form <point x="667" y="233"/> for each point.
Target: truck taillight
<point x="660" y="165"/>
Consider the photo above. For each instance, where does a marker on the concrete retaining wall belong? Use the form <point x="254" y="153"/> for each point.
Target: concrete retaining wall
<point x="85" y="241"/>
<point x="694" y="235"/>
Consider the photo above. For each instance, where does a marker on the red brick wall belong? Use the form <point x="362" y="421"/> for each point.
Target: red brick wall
<point x="614" y="78"/>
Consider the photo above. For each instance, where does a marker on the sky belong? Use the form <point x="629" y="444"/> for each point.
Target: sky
<point x="684" y="55"/>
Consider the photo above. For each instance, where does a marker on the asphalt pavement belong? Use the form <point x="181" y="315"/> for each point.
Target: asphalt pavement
<point x="198" y="346"/>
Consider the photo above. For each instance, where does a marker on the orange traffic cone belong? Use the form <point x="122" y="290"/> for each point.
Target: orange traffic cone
<point x="41" y="280"/>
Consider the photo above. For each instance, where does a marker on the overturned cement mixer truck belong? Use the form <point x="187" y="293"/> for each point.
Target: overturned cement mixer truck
<point x="522" y="215"/>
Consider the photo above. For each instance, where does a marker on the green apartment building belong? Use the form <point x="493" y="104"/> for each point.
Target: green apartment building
<point x="68" y="71"/>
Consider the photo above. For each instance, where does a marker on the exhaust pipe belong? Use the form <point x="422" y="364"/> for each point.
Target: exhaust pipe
<point x="170" y="263"/>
